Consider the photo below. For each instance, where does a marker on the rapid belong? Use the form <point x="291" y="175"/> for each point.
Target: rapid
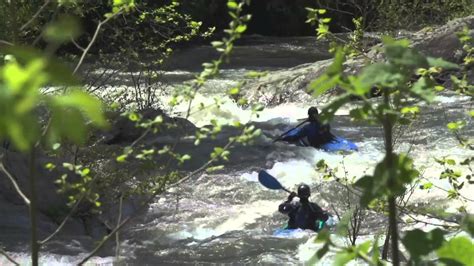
<point x="228" y="216"/>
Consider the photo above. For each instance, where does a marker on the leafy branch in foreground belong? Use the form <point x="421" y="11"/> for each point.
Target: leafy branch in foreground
<point x="394" y="78"/>
<point x="158" y="183"/>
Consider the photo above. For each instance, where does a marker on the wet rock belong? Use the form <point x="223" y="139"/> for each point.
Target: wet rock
<point x="291" y="85"/>
<point x="284" y="85"/>
<point x="17" y="165"/>
<point x="443" y="41"/>
<point x="15" y="218"/>
<point x="125" y="131"/>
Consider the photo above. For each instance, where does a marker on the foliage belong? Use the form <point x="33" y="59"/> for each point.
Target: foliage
<point x="31" y="118"/>
<point x="20" y="100"/>
<point x="344" y="197"/>
<point x="380" y="15"/>
<point x="462" y="86"/>
<point x="394" y="78"/>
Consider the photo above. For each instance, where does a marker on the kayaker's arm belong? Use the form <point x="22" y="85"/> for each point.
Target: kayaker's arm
<point x="287" y="206"/>
<point x="294" y="134"/>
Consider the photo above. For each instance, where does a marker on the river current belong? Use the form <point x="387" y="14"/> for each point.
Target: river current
<point x="227" y="216"/>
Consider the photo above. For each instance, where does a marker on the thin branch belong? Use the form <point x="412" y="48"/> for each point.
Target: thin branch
<point x="445" y="190"/>
<point x="15" y="184"/>
<point x="46" y="2"/>
<point x="77" y="45"/>
<point x="338" y="10"/>
<point x="202" y="168"/>
<point x="146" y="202"/>
<point x="4" y="253"/>
<point x="6" y="43"/>
<point x="94" y="37"/>
<point x="426" y="222"/>
<point x="117" y="239"/>
<point x="73" y="210"/>
<point x="106" y="238"/>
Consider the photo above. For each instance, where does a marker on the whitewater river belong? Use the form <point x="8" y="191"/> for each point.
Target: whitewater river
<point x="228" y="217"/>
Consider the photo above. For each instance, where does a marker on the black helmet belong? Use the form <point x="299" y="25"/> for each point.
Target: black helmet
<point x="304" y="191"/>
<point x="313" y="113"/>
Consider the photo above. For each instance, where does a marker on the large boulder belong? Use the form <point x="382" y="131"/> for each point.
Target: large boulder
<point x="291" y="85"/>
<point x="443" y="41"/>
<point x="124" y="131"/>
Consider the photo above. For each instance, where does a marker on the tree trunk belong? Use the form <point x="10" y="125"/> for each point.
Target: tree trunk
<point x="33" y="210"/>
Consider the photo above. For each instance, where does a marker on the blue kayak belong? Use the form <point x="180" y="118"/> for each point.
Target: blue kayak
<point x="339" y="144"/>
<point x="292" y="233"/>
<point x="331" y="223"/>
<point x="302" y="136"/>
<point x="335" y="145"/>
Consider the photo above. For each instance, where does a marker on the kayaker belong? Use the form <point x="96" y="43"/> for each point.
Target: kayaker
<point x="314" y="133"/>
<point x="303" y="214"/>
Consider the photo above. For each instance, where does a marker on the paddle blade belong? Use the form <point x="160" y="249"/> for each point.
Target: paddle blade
<point x="268" y="180"/>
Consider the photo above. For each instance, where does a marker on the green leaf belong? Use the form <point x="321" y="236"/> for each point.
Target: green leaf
<point x="68" y="166"/>
<point x="58" y="73"/>
<point x="459" y="249"/>
<point x="419" y="243"/>
<point x="50" y="166"/>
<point x="232" y="4"/>
<point x="364" y="247"/>
<point x="323" y="236"/>
<point x="410" y="110"/>
<point x="319" y="254"/>
<point x="337" y="65"/>
<point x="256" y="74"/>
<point x="217" y="43"/>
<point x="427" y="185"/>
<point x="450" y="161"/>
<point x="332" y="75"/>
<point x="381" y="74"/>
<point x="424" y="89"/>
<point x="321" y="11"/>
<point x="185" y="157"/>
<point x="62" y="30"/>
<point x="234" y="91"/>
<point x="384" y="184"/>
<point x="344" y="256"/>
<point x="85" y="171"/>
<point x="214" y="168"/>
<point x="122" y="158"/>
<point x="329" y="111"/>
<point x="453" y="126"/>
<point x="326" y="20"/>
<point x="323" y="84"/>
<point x="86" y="103"/>
<point x="66" y="123"/>
<point x="468" y="224"/>
<point x="471" y="113"/>
<point x="439" y="62"/>
<point x="399" y="53"/>
<point x="241" y="28"/>
<point x="56" y="146"/>
<point x="375" y="251"/>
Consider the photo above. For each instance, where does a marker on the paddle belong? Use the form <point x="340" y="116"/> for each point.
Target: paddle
<point x="278" y="138"/>
<point x="268" y="181"/>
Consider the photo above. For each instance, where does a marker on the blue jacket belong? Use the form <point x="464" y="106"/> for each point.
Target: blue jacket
<point x="312" y="134"/>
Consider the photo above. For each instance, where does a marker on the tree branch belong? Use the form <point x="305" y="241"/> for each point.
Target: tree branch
<point x="4" y="253"/>
<point x="117" y="238"/>
<point x="15" y="184"/>
<point x="68" y="216"/>
<point x="94" y="37"/>
<point x="46" y="2"/>
<point x="77" y="45"/>
<point x="6" y="43"/>
<point x="152" y="196"/>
